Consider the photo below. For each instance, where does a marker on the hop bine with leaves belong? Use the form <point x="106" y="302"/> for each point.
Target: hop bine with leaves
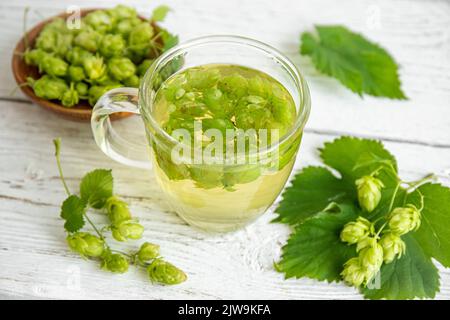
<point x="96" y="192"/>
<point x="367" y="226"/>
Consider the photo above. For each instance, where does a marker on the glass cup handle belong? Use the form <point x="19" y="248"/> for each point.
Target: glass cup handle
<point x="109" y="141"/>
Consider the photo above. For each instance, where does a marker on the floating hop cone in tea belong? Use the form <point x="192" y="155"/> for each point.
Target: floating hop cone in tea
<point x="164" y="272"/>
<point x="86" y="244"/>
<point x="354" y="274"/>
<point x="116" y="263"/>
<point x="393" y="246"/>
<point x="148" y="251"/>
<point x="404" y="219"/>
<point x="369" y="192"/>
<point x="356" y="231"/>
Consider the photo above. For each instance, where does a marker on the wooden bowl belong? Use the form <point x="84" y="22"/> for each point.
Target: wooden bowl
<point x="82" y="111"/>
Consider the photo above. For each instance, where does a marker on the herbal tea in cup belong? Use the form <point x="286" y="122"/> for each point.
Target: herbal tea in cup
<point x="224" y="118"/>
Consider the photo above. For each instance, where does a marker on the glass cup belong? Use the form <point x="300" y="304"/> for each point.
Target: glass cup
<point x="213" y="197"/>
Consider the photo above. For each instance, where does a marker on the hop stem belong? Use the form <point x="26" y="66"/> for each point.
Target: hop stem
<point x="57" y="143"/>
<point x="13" y="91"/>
<point x="415" y="184"/>
<point x="381" y="229"/>
<point x="391" y="204"/>
<point x="25" y="33"/>
<point x="125" y="254"/>
<point x="94" y="227"/>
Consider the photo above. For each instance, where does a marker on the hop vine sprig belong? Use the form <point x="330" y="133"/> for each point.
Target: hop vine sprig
<point x="372" y="249"/>
<point x="96" y="192"/>
<point x="336" y="238"/>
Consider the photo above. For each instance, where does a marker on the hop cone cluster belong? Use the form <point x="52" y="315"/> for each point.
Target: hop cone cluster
<point x="372" y="249"/>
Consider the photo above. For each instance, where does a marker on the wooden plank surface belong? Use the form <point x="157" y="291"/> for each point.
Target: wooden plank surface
<point x="34" y="260"/>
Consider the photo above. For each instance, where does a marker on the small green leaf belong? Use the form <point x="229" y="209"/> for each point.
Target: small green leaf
<point x="360" y="65"/>
<point x="311" y="191"/>
<point x="314" y="188"/>
<point x="72" y="210"/>
<point x="159" y="13"/>
<point x="434" y="232"/>
<point x="412" y="276"/>
<point x="315" y="250"/>
<point x="96" y="187"/>
<point x="354" y="158"/>
<point x="169" y="40"/>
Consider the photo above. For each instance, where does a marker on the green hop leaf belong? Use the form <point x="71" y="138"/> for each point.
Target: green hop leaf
<point x="315" y="249"/>
<point x="354" y="158"/>
<point x="72" y="211"/>
<point x="360" y="65"/>
<point x="169" y="40"/>
<point x="96" y="187"/>
<point x="311" y="191"/>
<point x="315" y="187"/>
<point x="165" y="273"/>
<point x="434" y="233"/>
<point x="159" y="13"/>
<point x="411" y="276"/>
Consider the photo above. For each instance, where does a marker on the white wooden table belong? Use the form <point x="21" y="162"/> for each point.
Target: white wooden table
<point x="34" y="259"/>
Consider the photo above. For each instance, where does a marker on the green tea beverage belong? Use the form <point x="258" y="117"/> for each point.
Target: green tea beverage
<point x="225" y="117"/>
